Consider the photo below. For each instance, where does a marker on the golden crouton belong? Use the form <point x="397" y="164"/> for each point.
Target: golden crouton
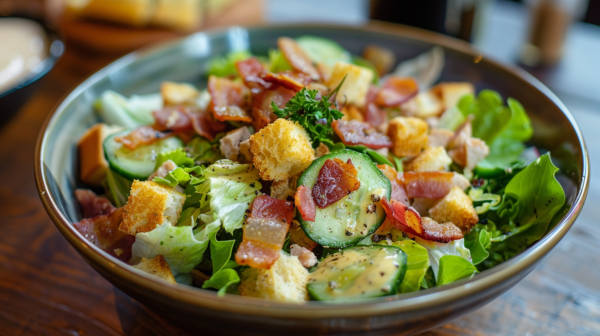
<point x="455" y="207"/>
<point x="93" y="165"/>
<point x="284" y="281"/>
<point x="150" y="205"/>
<point x="427" y="104"/>
<point x="352" y="112"/>
<point x="431" y="159"/>
<point x="281" y="150"/>
<point x="285" y="189"/>
<point x="355" y="87"/>
<point x="409" y="136"/>
<point x="178" y="93"/>
<point x="451" y="93"/>
<point x="157" y="267"/>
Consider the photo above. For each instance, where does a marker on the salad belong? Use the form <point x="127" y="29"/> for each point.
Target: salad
<point x="315" y="174"/>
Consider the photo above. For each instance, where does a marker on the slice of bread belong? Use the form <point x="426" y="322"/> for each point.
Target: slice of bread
<point x="150" y="205"/>
<point x="157" y="267"/>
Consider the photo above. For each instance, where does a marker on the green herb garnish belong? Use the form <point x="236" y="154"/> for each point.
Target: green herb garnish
<point x="311" y="113"/>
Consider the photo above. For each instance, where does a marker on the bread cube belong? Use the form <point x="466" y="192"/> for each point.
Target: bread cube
<point x="281" y="150"/>
<point x="408" y="135"/>
<point x="92" y="164"/>
<point x="284" y="189"/>
<point x="157" y="267"/>
<point x="451" y="93"/>
<point x="355" y="87"/>
<point x="285" y="281"/>
<point x="456" y="207"/>
<point x="178" y="93"/>
<point x="150" y="205"/>
<point x="427" y="104"/>
<point x="431" y="159"/>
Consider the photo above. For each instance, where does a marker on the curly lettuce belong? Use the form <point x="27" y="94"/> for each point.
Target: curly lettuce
<point x="438" y="250"/>
<point x="417" y="264"/>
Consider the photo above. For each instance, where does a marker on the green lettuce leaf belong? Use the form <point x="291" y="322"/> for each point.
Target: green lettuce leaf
<point x="503" y="128"/>
<point x="437" y="250"/>
<point x="181" y="248"/>
<point x="454" y="268"/>
<point x="203" y="150"/>
<point x="530" y="202"/>
<point x="178" y="156"/>
<point x="222" y="280"/>
<point x="115" y="109"/>
<point x="225" y="66"/>
<point x="278" y="61"/>
<point x="220" y="253"/>
<point x="417" y="265"/>
<point x="181" y="176"/>
<point x="233" y="187"/>
<point x="118" y="188"/>
<point x="478" y="242"/>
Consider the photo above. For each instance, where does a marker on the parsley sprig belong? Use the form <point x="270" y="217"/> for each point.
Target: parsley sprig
<point x="311" y="113"/>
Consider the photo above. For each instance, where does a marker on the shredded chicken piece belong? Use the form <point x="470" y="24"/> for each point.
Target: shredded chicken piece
<point x="163" y="170"/>
<point x="307" y="258"/>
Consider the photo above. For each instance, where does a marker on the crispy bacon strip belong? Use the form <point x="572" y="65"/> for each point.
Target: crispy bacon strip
<point x="373" y="114"/>
<point x="431" y="184"/>
<point x="289" y="80"/>
<point x="173" y="118"/>
<point x="398" y="191"/>
<point x="336" y="179"/>
<point x="397" y="90"/>
<point x="186" y="121"/>
<point x="354" y="132"/>
<point x="408" y="220"/>
<point x="261" y="105"/>
<point x="92" y="205"/>
<point x="205" y="125"/>
<point x="297" y="58"/>
<point x="227" y="100"/>
<point x="143" y="135"/>
<point x="264" y="232"/>
<point x="305" y="203"/>
<point x="103" y="231"/>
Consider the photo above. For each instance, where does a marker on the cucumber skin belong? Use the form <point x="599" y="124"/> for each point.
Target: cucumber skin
<point x="320" y="161"/>
<point x="118" y="169"/>
<point x="394" y="286"/>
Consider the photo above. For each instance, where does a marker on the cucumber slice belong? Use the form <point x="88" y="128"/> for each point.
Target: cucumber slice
<point x="138" y="163"/>
<point x="346" y="222"/>
<point x="323" y="50"/>
<point x="358" y="272"/>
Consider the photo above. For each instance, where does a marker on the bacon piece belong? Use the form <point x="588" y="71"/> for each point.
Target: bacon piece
<point x="397" y="90"/>
<point x="431" y="184"/>
<point x="173" y="118"/>
<point x="92" y="205"/>
<point x="143" y="135"/>
<point x="264" y="232"/>
<point x="305" y="203"/>
<point x="373" y="114"/>
<point x="354" y="132"/>
<point x="227" y="100"/>
<point x="250" y="71"/>
<point x="206" y="126"/>
<point x="297" y="57"/>
<point x="103" y="231"/>
<point x="398" y="191"/>
<point x="409" y="221"/>
<point x="272" y="208"/>
<point x="336" y="179"/>
<point x="261" y="105"/>
<point x="427" y="184"/>
<point x="290" y="80"/>
<point x="256" y="254"/>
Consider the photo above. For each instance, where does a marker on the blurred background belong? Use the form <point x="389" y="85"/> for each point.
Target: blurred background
<point x="556" y="40"/>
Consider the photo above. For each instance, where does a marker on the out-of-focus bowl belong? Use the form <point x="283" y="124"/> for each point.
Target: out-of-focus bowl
<point x="13" y="98"/>
<point x="185" y="60"/>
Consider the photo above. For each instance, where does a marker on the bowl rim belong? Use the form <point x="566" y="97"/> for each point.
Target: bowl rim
<point x="425" y="299"/>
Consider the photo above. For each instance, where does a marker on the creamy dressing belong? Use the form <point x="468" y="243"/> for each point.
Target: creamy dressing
<point x="23" y="47"/>
<point x="357" y="272"/>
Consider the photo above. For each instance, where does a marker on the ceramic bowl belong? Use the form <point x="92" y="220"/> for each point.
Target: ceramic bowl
<point x="186" y="60"/>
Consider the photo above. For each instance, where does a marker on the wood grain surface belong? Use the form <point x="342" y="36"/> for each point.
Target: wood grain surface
<point x="47" y="288"/>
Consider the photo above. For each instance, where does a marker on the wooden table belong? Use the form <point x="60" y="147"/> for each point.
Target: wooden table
<point x="46" y="288"/>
